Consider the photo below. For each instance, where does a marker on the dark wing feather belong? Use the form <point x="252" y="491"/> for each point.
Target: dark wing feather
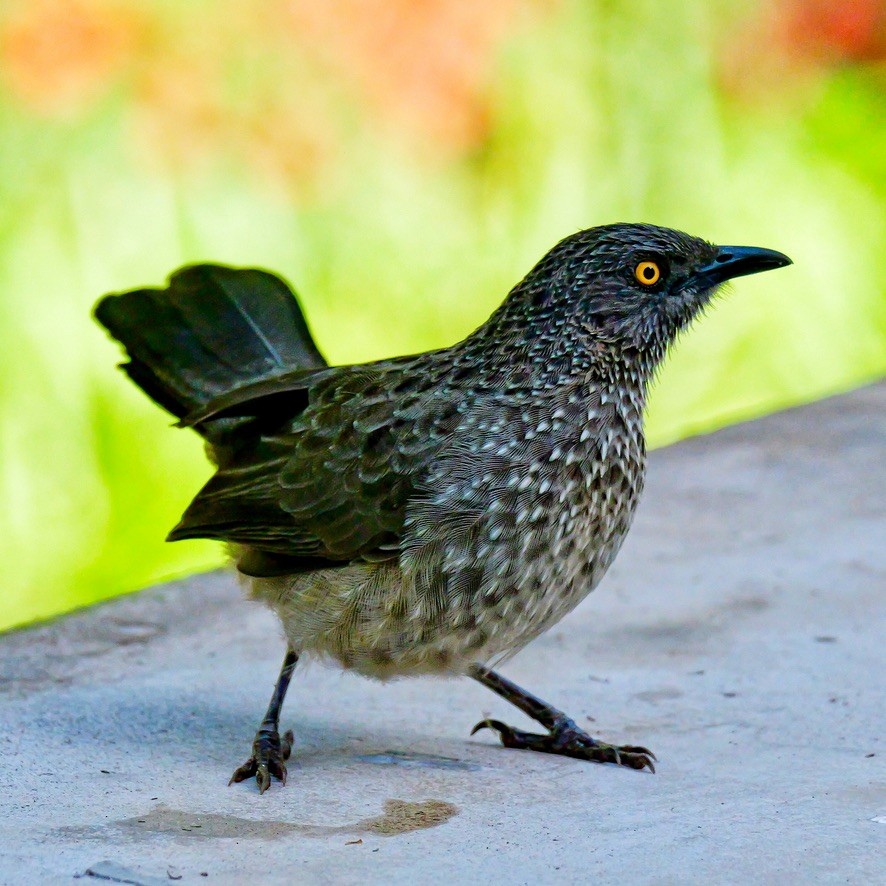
<point x="285" y="393"/>
<point x="331" y="485"/>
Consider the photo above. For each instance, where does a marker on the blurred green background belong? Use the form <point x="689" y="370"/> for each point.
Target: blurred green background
<point x="403" y="163"/>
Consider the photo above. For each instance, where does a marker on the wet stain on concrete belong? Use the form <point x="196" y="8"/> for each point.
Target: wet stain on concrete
<point x="399" y="817"/>
<point x="176" y="822"/>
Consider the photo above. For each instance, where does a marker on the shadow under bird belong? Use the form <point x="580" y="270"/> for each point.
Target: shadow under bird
<point x="428" y="514"/>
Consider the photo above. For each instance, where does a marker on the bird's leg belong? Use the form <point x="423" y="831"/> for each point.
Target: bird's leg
<point x="269" y="751"/>
<point x="563" y="736"/>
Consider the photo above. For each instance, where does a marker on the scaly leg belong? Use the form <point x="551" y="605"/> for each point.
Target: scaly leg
<point x="269" y="751"/>
<point x="563" y="737"/>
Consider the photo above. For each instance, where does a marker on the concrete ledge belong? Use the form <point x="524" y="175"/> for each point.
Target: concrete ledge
<point x="740" y="635"/>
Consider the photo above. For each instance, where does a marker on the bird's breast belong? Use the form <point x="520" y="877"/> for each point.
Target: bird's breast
<point x="525" y="515"/>
<point x="584" y="500"/>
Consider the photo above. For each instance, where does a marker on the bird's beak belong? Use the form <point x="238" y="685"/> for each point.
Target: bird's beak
<point x="738" y="261"/>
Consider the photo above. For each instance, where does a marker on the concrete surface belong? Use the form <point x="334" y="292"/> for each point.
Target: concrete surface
<point x="740" y="636"/>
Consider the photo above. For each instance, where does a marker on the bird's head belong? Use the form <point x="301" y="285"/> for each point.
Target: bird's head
<point x="630" y="286"/>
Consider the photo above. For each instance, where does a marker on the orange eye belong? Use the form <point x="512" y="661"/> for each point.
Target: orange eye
<point x="648" y="273"/>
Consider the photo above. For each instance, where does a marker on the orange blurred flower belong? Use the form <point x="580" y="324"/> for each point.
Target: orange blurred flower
<point x="269" y="84"/>
<point x="422" y="63"/>
<point x="792" y="44"/>
<point x="58" y="55"/>
<point x="221" y="90"/>
<point x="852" y="30"/>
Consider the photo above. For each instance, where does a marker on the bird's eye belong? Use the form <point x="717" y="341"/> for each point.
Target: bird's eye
<point x="648" y="273"/>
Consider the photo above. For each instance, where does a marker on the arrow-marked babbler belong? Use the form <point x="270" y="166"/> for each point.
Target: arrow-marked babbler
<point x="428" y="514"/>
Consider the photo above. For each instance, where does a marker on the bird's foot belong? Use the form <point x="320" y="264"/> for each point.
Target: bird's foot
<point x="269" y="755"/>
<point x="570" y="741"/>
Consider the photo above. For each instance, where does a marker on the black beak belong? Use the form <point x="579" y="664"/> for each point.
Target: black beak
<point x="739" y="261"/>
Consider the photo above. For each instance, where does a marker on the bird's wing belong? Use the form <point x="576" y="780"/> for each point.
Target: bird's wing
<point x="332" y="484"/>
<point x="283" y="394"/>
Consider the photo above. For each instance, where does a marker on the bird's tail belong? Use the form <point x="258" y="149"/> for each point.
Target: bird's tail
<point x="212" y="329"/>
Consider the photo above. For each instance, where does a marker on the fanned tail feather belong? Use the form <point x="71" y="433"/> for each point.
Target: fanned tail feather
<point x="212" y="329"/>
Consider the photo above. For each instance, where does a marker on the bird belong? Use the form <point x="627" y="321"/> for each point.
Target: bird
<point x="428" y="514"/>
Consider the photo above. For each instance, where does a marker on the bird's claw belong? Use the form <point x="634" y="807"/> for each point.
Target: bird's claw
<point x="568" y="740"/>
<point x="269" y="753"/>
<point x="502" y="728"/>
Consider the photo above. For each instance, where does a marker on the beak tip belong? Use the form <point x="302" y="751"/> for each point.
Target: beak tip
<point x="780" y="260"/>
<point x="740" y="261"/>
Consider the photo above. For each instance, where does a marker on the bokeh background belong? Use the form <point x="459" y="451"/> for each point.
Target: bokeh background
<point x="403" y="163"/>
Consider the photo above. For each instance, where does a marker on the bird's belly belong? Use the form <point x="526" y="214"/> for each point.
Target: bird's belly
<point x="373" y="619"/>
<point x="370" y="618"/>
